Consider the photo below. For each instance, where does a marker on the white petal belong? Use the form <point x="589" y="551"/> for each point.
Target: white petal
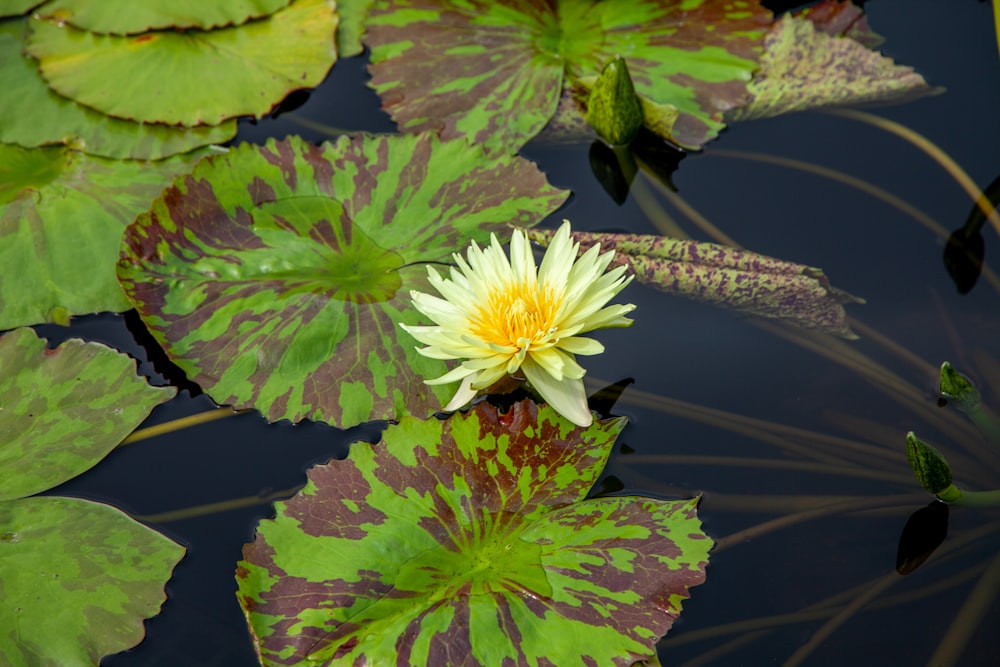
<point x="567" y="397"/>
<point x="464" y="394"/>
<point x="453" y="375"/>
<point x="580" y="345"/>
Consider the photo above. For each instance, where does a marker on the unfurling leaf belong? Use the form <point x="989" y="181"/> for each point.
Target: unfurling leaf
<point x="746" y="281"/>
<point x="613" y="108"/>
<point x="931" y="468"/>
<point x="958" y="389"/>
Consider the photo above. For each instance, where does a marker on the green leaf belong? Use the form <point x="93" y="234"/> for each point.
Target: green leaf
<point x="32" y="115"/>
<point x="495" y="72"/>
<point x="77" y="579"/>
<point x="17" y="7"/>
<point x="61" y="218"/>
<point x="613" y="109"/>
<point x="277" y="276"/>
<point x="201" y="77"/>
<point x="739" y="279"/>
<point x="63" y="410"/>
<point x="470" y="541"/>
<point x="127" y="17"/>
<point x="351" y="29"/>
<point x="805" y="68"/>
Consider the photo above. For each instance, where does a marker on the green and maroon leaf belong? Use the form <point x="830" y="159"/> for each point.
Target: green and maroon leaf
<point x="127" y="17"/>
<point x="805" y="68"/>
<point x="202" y="77"/>
<point x="63" y="410"/>
<point x="842" y="18"/>
<point x="351" y="28"/>
<point x="739" y="279"/>
<point x="77" y="578"/>
<point x="494" y="71"/>
<point x="32" y="115"/>
<point x="488" y="71"/>
<point x="62" y="214"/>
<point x="277" y="276"/>
<point x="470" y="541"/>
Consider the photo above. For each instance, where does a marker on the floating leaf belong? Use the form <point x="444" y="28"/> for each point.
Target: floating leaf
<point x="127" y="17"/>
<point x="351" y="29"/>
<point x="32" y="115"/>
<point x="276" y="277"/>
<point x="470" y="541"/>
<point x="77" y="578"/>
<point x="17" y="7"/>
<point x="805" y="68"/>
<point x="61" y="219"/>
<point x="63" y="410"/>
<point x="842" y="18"/>
<point x="201" y="77"/>
<point x="751" y="283"/>
<point x="495" y="71"/>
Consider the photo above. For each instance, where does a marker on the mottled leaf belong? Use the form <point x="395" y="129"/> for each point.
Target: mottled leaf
<point x="17" y="7"/>
<point x="127" y="17"/>
<point x="32" y="115"/>
<point x="77" y="578"/>
<point x="739" y="279"/>
<point x="191" y="77"/>
<point x="470" y="541"/>
<point x="805" y="68"/>
<point x="842" y="18"/>
<point x="277" y="276"/>
<point x="63" y="410"/>
<point x="495" y="72"/>
<point x="61" y="219"/>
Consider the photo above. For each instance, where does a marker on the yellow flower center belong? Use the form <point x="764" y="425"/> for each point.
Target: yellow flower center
<point x="518" y="315"/>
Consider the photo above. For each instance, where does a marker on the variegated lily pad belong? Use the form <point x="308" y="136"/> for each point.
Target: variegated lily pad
<point x="63" y="410"/>
<point x="127" y="17"/>
<point x="277" y="276"/>
<point x="495" y="71"/>
<point x="192" y="77"/>
<point x="470" y="541"/>
<point x="78" y="578"/>
<point x="61" y="219"/>
<point x="32" y="115"/>
<point x="806" y="68"/>
<point x="739" y="279"/>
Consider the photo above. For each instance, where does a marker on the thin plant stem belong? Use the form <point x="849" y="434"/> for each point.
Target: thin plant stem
<point x="219" y="507"/>
<point x="316" y="126"/>
<point x="178" y="424"/>
<point x="931" y="149"/>
<point x="773" y="464"/>
<point x="681" y="205"/>
<point x="841" y="617"/>
<point x="969" y="617"/>
<point x="663" y="221"/>
<point x="753" y="532"/>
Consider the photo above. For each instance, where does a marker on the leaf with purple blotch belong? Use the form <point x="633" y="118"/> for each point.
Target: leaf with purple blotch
<point x="497" y="72"/>
<point x="470" y="541"/>
<point x="739" y="279"/>
<point x="805" y="67"/>
<point x="277" y="276"/>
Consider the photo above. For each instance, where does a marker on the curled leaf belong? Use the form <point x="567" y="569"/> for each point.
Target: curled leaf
<point x="746" y="281"/>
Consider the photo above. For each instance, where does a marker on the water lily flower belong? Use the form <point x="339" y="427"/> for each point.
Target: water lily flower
<point x="500" y="316"/>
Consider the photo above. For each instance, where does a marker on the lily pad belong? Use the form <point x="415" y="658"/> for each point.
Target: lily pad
<point x="806" y="68"/>
<point x="61" y="218"/>
<point x="276" y="277"/>
<point x="17" y="7"/>
<point x="495" y="71"/>
<point x="745" y="281"/>
<point x="63" y="410"/>
<point x="351" y="29"/>
<point x="470" y="541"/>
<point x="77" y="578"/>
<point x="32" y="115"/>
<point x="192" y="77"/>
<point x="127" y="17"/>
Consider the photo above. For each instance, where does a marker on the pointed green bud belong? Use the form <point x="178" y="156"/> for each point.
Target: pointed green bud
<point x="613" y="109"/>
<point x="958" y="388"/>
<point x="928" y="465"/>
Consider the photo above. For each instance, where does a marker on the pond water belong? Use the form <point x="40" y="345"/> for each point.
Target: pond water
<point x="718" y="401"/>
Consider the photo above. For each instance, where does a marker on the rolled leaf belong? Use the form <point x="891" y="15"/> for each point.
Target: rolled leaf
<point x="739" y="279"/>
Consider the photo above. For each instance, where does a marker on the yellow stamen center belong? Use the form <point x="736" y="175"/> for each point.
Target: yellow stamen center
<point x="517" y="315"/>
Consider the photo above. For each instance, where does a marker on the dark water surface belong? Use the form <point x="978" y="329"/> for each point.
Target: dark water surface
<point x="699" y="355"/>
